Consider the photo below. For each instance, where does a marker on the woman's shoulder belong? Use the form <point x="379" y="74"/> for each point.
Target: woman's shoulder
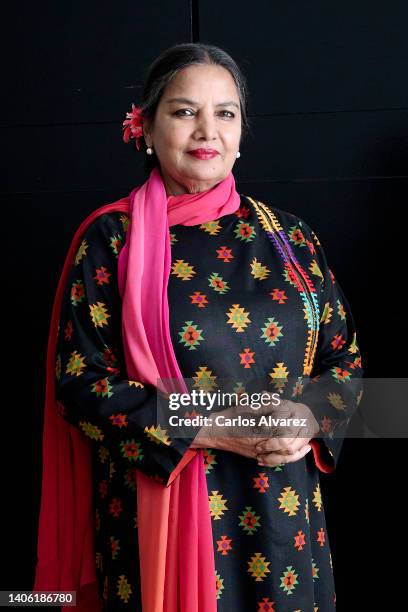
<point x="105" y="224"/>
<point x="280" y="218"/>
<point x="102" y="234"/>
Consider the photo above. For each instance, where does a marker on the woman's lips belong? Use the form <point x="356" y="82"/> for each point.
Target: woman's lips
<point x="203" y="153"/>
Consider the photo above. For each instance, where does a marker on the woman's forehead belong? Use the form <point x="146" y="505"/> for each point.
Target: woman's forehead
<point x="192" y="86"/>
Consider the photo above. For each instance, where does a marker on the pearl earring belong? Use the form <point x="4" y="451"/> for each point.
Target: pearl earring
<point x="149" y="151"/>
<point x="238" y="154"/>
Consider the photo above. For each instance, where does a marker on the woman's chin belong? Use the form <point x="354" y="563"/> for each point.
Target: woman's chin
<point x="204" y="173"/>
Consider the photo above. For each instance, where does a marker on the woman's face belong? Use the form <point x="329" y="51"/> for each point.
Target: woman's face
<point x="210" y="117"/>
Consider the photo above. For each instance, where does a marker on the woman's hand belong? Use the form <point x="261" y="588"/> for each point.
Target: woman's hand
<point x="213" y="436"/>
<point x="278" y="449"/>
<point x="271" y="450"/>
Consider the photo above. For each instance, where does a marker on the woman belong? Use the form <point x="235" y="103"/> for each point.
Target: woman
<point x="221" y="287"/>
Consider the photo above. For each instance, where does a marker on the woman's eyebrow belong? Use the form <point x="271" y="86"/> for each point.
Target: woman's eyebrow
<point x="187" y="101"/>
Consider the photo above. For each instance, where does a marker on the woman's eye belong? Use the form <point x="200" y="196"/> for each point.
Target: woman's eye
<point x="230" y="112"/>
<point x="181" y="110"/>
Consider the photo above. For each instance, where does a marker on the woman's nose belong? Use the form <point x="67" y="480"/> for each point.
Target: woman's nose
<point x="206" y="126"/>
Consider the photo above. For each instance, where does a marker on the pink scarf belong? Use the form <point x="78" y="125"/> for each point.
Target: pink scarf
<point x="177" y="515"/>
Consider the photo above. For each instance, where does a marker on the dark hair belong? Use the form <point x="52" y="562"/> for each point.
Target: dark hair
<point x="164" y="68"/>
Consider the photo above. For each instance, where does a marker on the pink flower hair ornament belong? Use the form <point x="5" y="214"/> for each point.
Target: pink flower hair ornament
<point x="132" y="126"/>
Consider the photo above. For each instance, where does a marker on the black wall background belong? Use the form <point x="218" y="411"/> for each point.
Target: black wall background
<point x="329" y="101"/>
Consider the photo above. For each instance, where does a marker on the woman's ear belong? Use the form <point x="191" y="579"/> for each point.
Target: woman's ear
<point x="146" y="131"/>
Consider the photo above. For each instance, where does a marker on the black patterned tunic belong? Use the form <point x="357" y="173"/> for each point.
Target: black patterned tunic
<point x="250" y="297"/>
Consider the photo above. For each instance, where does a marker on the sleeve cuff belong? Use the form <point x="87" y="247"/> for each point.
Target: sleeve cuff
<point x="324" y="460"/>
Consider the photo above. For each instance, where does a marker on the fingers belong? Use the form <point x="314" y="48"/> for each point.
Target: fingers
<point x="276" y="458"/>
<point x="287" y="445"/>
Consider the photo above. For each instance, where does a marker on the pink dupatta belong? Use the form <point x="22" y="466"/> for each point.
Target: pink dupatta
<point x="177" y="564"/>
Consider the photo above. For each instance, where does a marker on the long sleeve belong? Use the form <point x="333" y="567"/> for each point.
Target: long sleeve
<point x="335" y="389"/>
<point x="92" y="387"/>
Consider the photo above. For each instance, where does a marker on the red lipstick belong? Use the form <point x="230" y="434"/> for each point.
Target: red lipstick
<point x="203" y="153"/>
